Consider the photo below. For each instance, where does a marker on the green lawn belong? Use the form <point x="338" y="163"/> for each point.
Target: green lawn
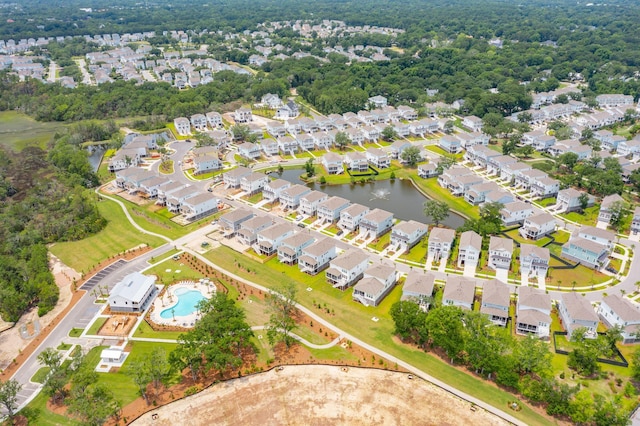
<point x="40" y="375"/>
<point x="514" y="235"/>
<point x="380" y="243"/>
<point x="97" y="324"/>
<point x="418" y="253"/>
<point x="145" y="330"/>
<point x="589" y="217"/>
<point x="582" y="276"/>
<point x="356" y="318"/>
<point x="46" y="417"/>
<point x="177" y="135"/>
<point x="164" y="256"/>
<point x="115" y="238"/>
<point x="75" y="332"/>
<point x="255" y="309"/>
<point x="18" y="131"/>
<point x="438" y="150"/>
<point x="167" y="271"/>
<point x="166" y="167"/>
<point x="255" y="198"/>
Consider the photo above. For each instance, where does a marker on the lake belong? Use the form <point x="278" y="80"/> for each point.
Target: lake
<point x="399" y="197"/>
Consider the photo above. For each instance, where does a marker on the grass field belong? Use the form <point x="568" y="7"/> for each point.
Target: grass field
<point x="167" y="272"/>
<point x="356" y="318"/>
<point x="145" y="330"/>
<point x="97" y="324"/>
<point x="18" y="131"/>
<point x="434" y="191"/>
<point x="589" y="217"/>
<point x="118" y="236"/>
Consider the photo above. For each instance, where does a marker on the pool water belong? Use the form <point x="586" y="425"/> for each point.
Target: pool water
<point x="187" y="301"/>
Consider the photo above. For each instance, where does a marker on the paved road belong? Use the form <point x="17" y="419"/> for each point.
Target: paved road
<point x="86" y="77"/>
<point x="53" y="68"/>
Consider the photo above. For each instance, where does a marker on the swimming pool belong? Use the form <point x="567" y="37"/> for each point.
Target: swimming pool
<point x="187" y="301"/>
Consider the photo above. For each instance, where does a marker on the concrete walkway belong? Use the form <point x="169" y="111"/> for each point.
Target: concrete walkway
<point x="305" y="341"/>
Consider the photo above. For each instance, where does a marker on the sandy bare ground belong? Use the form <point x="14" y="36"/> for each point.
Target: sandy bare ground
<point x="11" y="342"/>
<point x="321" y="395"/>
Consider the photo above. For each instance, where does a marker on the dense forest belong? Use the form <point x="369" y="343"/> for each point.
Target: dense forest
<point x="445" y="46"/>
<point x="43" y="199"/>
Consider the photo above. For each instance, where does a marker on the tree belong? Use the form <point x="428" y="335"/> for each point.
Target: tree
<point x="619" y="210"/>
<point x="411" y="155"/>
<point x="139" y="372"/>
<point x="635" y="364"/>
<point x="436" y="210"/>
<point x="525" y="117"/>
<point x="57" y="377"/>
<point x="389" y="133"/>
<point x="9" y="395"/>
<point x="407" y="317"/>
<point x="448" y="127"/>
<point x="158" y="367"/>
<point x="582" y="408"/>
<point x="584" y="201"/>
<point x="95" y="406"/>
<point x="281" y="305"/>
<point x="309" y="168"/>
<point x="533" y="356"/>
<point x="445" y="163"/>
<point x="443" y="327"/>
<point x="568" y="160"/>
<point x="342" y="140"/>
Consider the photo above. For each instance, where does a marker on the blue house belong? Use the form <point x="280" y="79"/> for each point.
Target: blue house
<point x="450" y="144"/>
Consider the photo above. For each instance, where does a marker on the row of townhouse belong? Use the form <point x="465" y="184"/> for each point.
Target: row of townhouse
<point x="135" y="147"/>
<point x="199" y="122"/>
<point x="455" y="143"/>
<point x="178" y="197"/>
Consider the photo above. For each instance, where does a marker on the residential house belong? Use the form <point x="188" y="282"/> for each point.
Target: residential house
<point x="509" y="172"/>
<point x="291" y="248"/>
<point x="248" y="232"/>
<point x="350" y="217"/>
<point x="199" y="206"/>
<point x="242" y="115"/>
<point x="199" y="122"/>
<point x="378" y="101"/>
<point x="316" y="257"/>
<point x="499" y="196"/>
<point x="233" y="178"/>
<point x="175" y="200"/>
<point x="534" y="260"/>
<point x="276" y="129"/>
<point x="182" y="125"/>
<point x="332" y="163"/>
<point x="472" y="122"/>
<point x="287" y="111"/>
<point x="629" y="148"/>
<point x="206" y="161"/>
<point x="575" y="312"/>
<point x="589" y="246"/>
<point x="635" y="221"/>
<point x="569" y="200"/>
<point x="614" y="100"/>
<point x="347" y="268"/>
<point x="469" y="248"/>
<point x="428" y="170"/>
<point x="616" y="310"/>
<point x="248" y="150"/>
<point x="330" y="209"/>
<point x="525" y="178"/>
<point x="515" y="212"/>
<point x="305" y="141"/>
<point x="496" y="298"/>
<point x="271" y="101"/>
<point x="231" y="222"/>
<point x="165" y="191"/>
<point x="476" y="194"/>
<point x="253" y="183"/>
<point x="405" y="235"/>
<point x="378" y="281"/>
<point x="372" y="133"/>
<point x="133" y="294"/>
<point x="271" y="191"/>
<point x="538" y="226"/>
<point x="149" y="188"/>
<point x="290" y="197"/>
<point x="356" y="162"/>
<point x="376" y="223"/>
<point x="270" y="239"/>
<point x="214" y="119"/>
<point x="544" y="187"/>
<point x="500" y="253"/>
<point x="310" y="201"/>
<point x="495" y="164"/>
<point x="480" y="155"/>
<point x="450" y="144"/>
<point x="459" y="291"/>
<point x="407" y="113"/>
<point x="396" y="148"/>
<point x="220" y="137"/>
<point x="418" y="286"/>
<point x="355" y="135"/>
<point x="533" y="312"/>
<point x="269" y="147"/>
<point x="378" y="158"/>
<point x="321" y="140"/>
<point x="293" y="126"/>
<point x="288" y="145"/>
<point x="440" y="242"/>
<point x="608" y="206"/>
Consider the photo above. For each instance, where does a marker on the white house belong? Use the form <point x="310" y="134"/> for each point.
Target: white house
<point x="199" y="206"/>
<point x="233" y="178"/>
<point x="248" y="232"/>
<point x="269" y="147"/>
<point x="350" y="217"/>
<point x="428" y="170"/>
<point x="199" y="122"/>
<point x="378" y="101"/>
<point x="214" y="119"/>
<point x="378" y="281"/>
<point x="175" y="200"/>
<point x="450" y="144"/>
<point x="271" y="191"/>
<point x="329" y="210"/>
<point x="166" y="190"/>
<point x="288" y="145"/>
<point x="459" y="291"/>
<point x="418" y="286"/>
<point x="469" y="248"/>
<point x="230" y="222"/>
<point x="619" y="311"/>
<point x="537" y="226"/>
<point x="534" y="260"/>
<point x="347" y="268"/>
<point x="269" y="239"/>
<point x="515" y="212"/>
<point x="310" y="201"/>
<point x="253" y="183"/>
<point x="133" y="294"/>
<point x="291" y="248"/>
<point x="356" y="161"/>
<point x="248" y="150"/>
<point x="576" y="311"/>
<point x="500" y="253"/>
<point x="332" y="163"/>
<point x="378" y="158"/>
<point x="472" y="122"/>
<point x="376" y="223"/>
<point x="607" y="207"/>
<point x="316" y="257"/>
<point x="568" y="200"/>
<point x="440" y="242"/>
<point x="533" y="312"/>
<point x="405" y="235"/>
<point x="242" y="115"/>
<point x="183" y="126"/>
<point x="635" y="221"/>
<point x="496" y="298"/>
<point x="290" y="197"/>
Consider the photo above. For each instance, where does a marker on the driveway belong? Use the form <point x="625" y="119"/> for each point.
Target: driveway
<point x="470" y="268"/>
<point x="502" y="275"/>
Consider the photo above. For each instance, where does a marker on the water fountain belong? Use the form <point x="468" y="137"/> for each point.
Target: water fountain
<point x="380" y="194"/>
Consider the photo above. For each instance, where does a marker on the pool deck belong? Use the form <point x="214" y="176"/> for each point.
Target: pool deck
<point x="169" y="300"/>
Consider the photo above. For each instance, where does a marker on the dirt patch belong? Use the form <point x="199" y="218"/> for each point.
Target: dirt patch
<point x="314" y="395"/>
